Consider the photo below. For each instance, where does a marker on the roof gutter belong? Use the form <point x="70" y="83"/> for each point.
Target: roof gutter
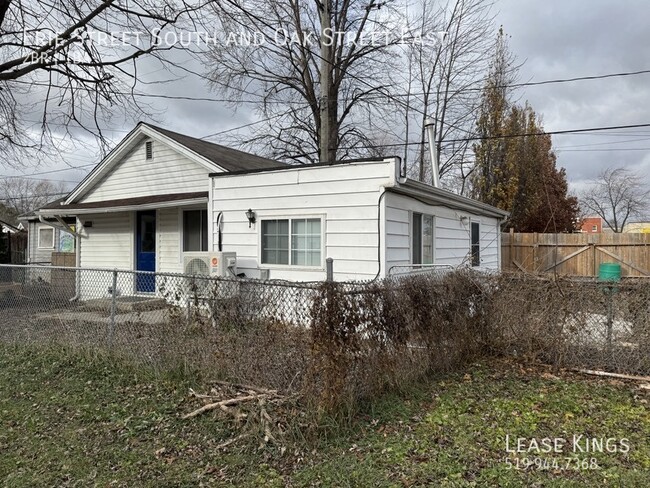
<point x="444" y="198"/>
<point x="53" y="212"/>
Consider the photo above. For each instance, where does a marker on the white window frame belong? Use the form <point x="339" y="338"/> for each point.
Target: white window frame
<point x="323" y="233"/>
<point x="40" y="241"/>
<point x="181" y="219"/>
<point x="433" y="237"/>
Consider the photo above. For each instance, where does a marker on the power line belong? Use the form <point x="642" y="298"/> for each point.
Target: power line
<point x="506" y="136"/>
<point x="242" y="126"/>
<point x="6" y="199"/>
<point x="606" y="150"/>
<point x="71" y="168"/>
<point x="544" y="133"/>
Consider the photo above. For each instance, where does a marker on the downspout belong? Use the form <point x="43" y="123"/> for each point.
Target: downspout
<point x="77" y="248"/>
<point x="64" y="227"/>
<point x="431" y="134"/>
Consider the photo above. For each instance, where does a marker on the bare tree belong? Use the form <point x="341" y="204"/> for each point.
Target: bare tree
<point x="20" y="195"/>
<point x="446" y="81"/>
<point x="617" y="196"/>
<point x="317" y="70"/>
<point x="74" y="63"/>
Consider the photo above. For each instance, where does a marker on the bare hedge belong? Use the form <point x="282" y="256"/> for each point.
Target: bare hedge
<point x="337" y="343"/>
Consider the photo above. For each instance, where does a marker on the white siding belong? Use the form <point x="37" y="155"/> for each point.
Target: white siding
<point x="134" y="176"/>
<point x="346" y="197"/>
<point x="36" y="254"/>
<point x="107" y="244"/>
<point x="451" y="234"/>
<point x="169" y="241"/>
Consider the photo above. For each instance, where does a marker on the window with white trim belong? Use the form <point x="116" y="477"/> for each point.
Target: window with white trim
<point x="195" y="230"/>
<point x="292" y="241"/>
<point x="46" y="238"/>
<point x="422" y="238"/>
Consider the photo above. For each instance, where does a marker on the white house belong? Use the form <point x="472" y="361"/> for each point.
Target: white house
<point x="365" y="215"/>
<point x="9" y="228"/>
<point x="161" y="197"/>
<point x="145" y="204"/>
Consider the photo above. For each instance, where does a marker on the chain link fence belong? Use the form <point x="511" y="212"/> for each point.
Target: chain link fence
<point x="338" y="341"/>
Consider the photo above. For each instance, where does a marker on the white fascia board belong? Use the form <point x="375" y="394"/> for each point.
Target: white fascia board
<point x="438" y="196"/>
<point x="126" y="145"/>
<point x="63" y="211"/>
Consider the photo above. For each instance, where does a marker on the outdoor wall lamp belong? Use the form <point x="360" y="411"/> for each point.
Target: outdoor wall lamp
<point x="250" y="215"/>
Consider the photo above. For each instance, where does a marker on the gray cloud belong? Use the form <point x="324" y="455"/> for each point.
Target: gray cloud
<point x="560" y="39"/>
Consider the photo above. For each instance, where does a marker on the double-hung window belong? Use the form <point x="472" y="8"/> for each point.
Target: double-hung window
<point x="292" y="241"/>
<point x="195" y="230"/>
<point x="422" y="238"/>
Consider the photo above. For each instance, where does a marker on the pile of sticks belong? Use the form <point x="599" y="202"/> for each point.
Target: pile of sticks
<point x="233" y="398"/>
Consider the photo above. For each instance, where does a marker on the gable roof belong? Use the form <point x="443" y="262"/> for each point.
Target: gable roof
<point x="10" y="227"/>
<point x="211" y="156"/>
<point x="228" y="158"/>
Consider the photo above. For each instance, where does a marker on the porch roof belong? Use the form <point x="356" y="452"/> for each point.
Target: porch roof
<point x="125" y="204"/>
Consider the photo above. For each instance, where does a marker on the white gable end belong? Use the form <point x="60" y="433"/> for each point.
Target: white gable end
<point x="133" y="175"/>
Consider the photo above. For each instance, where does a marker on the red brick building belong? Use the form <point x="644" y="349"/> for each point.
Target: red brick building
<point x="592" y="225"/>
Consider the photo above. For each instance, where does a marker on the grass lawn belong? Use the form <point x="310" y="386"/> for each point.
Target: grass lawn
<point x="71" y="419"/>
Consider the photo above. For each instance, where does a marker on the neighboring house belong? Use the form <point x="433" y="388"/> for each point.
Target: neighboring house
<point x="46" y="237"/>
<point x="637" y="227"/>
<point x="591" y="225"/>
<point x="160" y="198"/>
<point x="6" y="227"/>
<point x="13" y="241"/>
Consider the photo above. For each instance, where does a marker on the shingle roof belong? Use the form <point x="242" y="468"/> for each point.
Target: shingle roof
<point x="225" y="157"/>
<point x="125" y="202"/>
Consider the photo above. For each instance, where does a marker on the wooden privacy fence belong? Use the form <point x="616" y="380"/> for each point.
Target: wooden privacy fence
<point x="575" y="254"/>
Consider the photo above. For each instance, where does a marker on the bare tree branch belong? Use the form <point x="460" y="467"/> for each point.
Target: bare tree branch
<point x="617" y="196"/>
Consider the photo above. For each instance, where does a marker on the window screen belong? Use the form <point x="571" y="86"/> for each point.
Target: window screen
<point x="305" y="242"/>
<point x="275" y="241"/>
<point x="476" y="244"/>
<point x="417" y="238"/>
<point x="46" y="237"/>
<point x="292" y="241"/>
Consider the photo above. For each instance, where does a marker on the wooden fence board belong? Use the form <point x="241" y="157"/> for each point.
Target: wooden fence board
<point x="575" y="254"/>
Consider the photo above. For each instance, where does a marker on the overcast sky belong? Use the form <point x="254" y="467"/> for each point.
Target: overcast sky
<point x="572" y="38"/>
<point x="554" y="39"/>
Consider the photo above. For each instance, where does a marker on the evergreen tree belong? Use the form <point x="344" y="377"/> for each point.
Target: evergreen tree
<point x="515" y="167"/>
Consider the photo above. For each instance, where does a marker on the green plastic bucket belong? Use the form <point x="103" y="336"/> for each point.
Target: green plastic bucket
<point x="609" y="272"/>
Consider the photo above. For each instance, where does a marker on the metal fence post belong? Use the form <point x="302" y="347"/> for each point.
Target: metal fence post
<point x="329" y="266"/>
<point x="111" y="330"/>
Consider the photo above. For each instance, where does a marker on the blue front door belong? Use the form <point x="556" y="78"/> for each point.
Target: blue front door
<point x="145" y="249"/>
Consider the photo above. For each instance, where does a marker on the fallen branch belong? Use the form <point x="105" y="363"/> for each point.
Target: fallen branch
<point x="221" y="405"/>
<point x="612" y="375"/>
<point x="241" y="386"/>
<point x="231" y="441"/>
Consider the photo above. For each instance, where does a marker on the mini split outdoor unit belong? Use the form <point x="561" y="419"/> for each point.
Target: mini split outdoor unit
<point x="215" y="264"/>
<point x="200" y="266"/>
